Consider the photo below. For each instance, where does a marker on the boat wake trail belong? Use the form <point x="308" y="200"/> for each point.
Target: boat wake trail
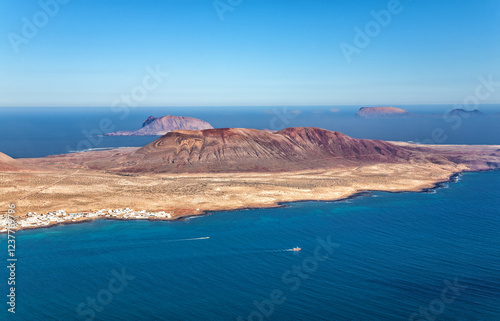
<point x="191" y="239"/>
<point x="275" y="251"/>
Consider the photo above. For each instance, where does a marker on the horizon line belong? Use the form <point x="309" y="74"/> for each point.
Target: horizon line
<point x="274" y="105"/>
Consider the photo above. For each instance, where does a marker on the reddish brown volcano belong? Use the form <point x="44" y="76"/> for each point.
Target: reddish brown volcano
<point x="244" y="150"/>
<point x="249" y="150"/>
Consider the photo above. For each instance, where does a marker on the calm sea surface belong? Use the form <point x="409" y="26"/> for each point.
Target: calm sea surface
<point x="392" y="255"/>
<point x="38" y="132"/>
<point x="413" y="256"/>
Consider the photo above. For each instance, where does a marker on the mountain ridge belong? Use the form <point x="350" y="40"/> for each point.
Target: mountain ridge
<point x="246" y="150"/>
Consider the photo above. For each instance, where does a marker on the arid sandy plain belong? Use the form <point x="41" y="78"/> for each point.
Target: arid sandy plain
<point x="81" y="189"/>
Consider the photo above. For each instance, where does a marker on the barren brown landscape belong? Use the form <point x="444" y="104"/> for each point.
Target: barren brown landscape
<point x="195" y="172"/>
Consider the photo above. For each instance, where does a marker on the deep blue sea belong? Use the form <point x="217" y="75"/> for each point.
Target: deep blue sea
<point x="37" y="132"/>
<point x="409" y="256"/>
<point x="386" y="257"/>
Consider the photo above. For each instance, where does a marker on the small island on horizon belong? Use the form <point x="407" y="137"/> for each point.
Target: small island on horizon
<point x="400" y="113"/>
<point x="383" y="112"/>
<point x="158" y="126"/>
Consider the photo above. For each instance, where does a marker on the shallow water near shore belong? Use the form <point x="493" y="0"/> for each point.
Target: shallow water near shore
<point x="396" y="252"/>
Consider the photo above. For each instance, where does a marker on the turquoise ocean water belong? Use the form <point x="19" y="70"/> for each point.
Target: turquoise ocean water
<point x="412" y="256"/>
<point x="379" y="257"/>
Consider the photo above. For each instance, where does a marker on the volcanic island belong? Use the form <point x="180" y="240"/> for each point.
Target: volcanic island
<point x="195" y="172"/>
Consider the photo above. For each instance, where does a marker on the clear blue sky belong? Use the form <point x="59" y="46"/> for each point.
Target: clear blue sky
<point x="264" y="52"/>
